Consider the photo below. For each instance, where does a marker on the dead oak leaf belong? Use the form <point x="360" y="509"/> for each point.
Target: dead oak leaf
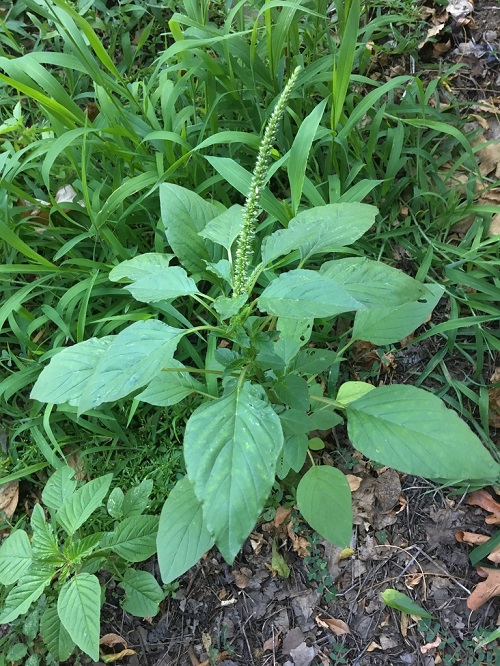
<point x="9" y="497"/>
<point x="485" y="590"/>
<point x="299" y="544"/>
<point x="424" y="649"/>
<point x="484" y="500"/>
<point x="337" y="627"/>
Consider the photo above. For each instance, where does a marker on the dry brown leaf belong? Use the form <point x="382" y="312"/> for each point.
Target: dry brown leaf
<point x="9" y="497"/>
<point x="353" y="481"/>
<point x="484" y="591"/>
<point x="432" y="32"/>
<point x="494" y="229"/>
<point x="299" y="544"/>
<point x="337" y="627"/>
<point x="373" y="646"/>
<point x="495" y="377"/>
<point x="242" y="577"/>
<point x="424" y="649"/>
<point x="282" y="514"/>
<point x="110" y="640"/>
<point x="471" y="537"/>
<point x="484" y="500"/>
<point x="272" y="643"/>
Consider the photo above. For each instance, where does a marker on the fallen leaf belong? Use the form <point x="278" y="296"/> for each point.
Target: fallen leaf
<point x="495" y="377"/>
<point x="337" y="627"/>
<point x="471" y="537"/>
<point x="299" y="544"/>
<point x="373" y="646"/>
<point x="432" y="32"/>
<point x="494" y="395"/>
<point x="109" y="658"/>
<point x="459" y="9"/>
<point x="424" y="649"/>
<point x="303" y="655"/>
<point x="353" y="481"/>
<point x="9" y="497"/>
<point x="272" y="643"/>
<point x="484" y="500"/>
<point x="242" y="577"/>
<point x="485" y="590"/>
<point x="110" y="640"/>
<point x="282" y="514"/>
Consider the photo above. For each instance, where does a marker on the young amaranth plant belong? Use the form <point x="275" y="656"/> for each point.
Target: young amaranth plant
<point x="50" y="567"/>
<point x="256" y="383"/>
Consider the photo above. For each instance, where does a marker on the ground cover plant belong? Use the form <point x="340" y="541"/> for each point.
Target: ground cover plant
<point x="132" y="135"/>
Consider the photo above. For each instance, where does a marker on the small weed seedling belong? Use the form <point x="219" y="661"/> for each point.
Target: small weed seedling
<point x="245" y="353"/>
<point x="59" y="559"/>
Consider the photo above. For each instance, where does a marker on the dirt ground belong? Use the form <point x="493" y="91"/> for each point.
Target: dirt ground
<point x="329" y="609"/>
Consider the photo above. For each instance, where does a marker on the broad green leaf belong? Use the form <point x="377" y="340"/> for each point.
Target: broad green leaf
<point x="182" y="536"/>
<point x="224" y="228"/>
<point x="403" y="603"/>
<point x="301" y="294"/>
<point x="125" y="363"/>
<point x="319" y="230"/>
<point x="27" y="590"/>
<point x="227" y="306"/>
<point x="55" y="636"/>
<point x="286" y="349"/>
<point x="114" y="505"/>
<point x="64" y="378"/>
<point x="297" y="329"/>
<point x="44" y="542"/>
<point x="383" y="326"/>
<point x="293" y="391"/>
<point x="350" y="391"/>
<point x="293" y="454"/>
<point x="134" y="538"/>
<point x="137" y="499"/>
<point x="324" y="499"/>
<point x="15" y="557"/>
<point x="313" y="361"/>
<point x="412" y="430"/>
<point x="77" y="508"/>
<point x="184" y="214"/>
<point x="163" y="285"/>
<point x="59" y="487"/>
<point x="295" y="421"/>
<point x="221" y="268"/>
<point x="170" y="386"/>
<point x="231" y="447"/>
<point x="142" y="593"/>
<point x="79" y="609"/>
<point x="325" y="418"/>
<point x="17" y="652"/>
<point x="142" y="266"/>
<point x="373" y="283"/>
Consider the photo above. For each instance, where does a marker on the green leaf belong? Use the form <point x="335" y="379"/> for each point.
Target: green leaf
<point x="293" y="454"/>
<point x="350" y="391"/>
<point x="15" y="557"/>
<point x="373" y="283"/>
<point x="137" y="499"/>
<point x="297" y="329"/>
<point x="403" y="603"/>
<point x="27" y="590"/>
<point x="182" y="536"/>
<point x="134" y="538"/>
<point x="383" y="326"/>
<point x="17" y="652"/>
<point x="293" y="391"/>
<point x="170" y="387"/>
<point x="140" y="267"/>
<point x="224" y="228"/>
<point x="76" y="551"/>
<point x="79" y="609"/>
<point x="231" y="448"/>
<point x="324" y="419"/>
<point x="313" y="361"/>
<point x="142" y="593"/>
<point x="59" y="487"/>
<point x="124" y="363"/>
<point x="163" y="285"/>
<point x="44" y="542"/>
<point x="114" y="505"/>
<point x="228" y="306"/>
<point x="55" y="636"/>
<point x="326" y="487"/>
<point x="412" y="430"/>
<point x="77" y="508"/>
<point x="301" y="294"/>
<point x="184" y="214"/>
<point x="319" y="230"/>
